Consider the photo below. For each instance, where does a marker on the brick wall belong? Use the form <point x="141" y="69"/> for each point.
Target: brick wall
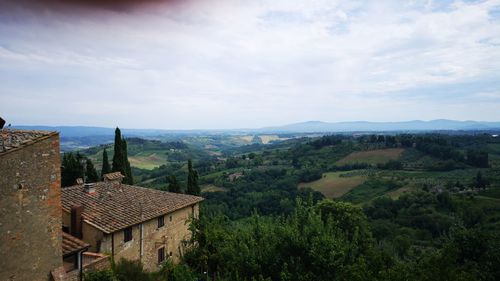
<point x="30" y="211"/>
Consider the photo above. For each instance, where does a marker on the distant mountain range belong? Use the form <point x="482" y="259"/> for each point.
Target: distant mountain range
<point x="304" y="127"/>
<point x="365" y="126"/>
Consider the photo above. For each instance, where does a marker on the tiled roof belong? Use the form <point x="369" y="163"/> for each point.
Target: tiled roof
<point x="114" y="206"/>
<point x="11" y="139"/>
<point x="71" y="244"/>
<point x="113" y="176"/>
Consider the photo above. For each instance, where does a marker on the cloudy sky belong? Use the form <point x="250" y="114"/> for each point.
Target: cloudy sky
<point x="247" y="63"/>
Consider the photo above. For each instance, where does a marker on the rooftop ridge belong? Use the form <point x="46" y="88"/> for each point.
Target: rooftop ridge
<point x="14" y="139"/>
<point x="113" y="207"/>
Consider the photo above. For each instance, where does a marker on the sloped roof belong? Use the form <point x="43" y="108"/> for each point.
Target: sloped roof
<point x="12" y="139"/>
<point x="71" y="244"/>
<point x="113" y="176"/>
<point x="114" y="206"/>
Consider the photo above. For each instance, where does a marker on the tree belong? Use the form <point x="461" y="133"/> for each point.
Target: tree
<point x="118" y="164"/>
<point x="173" y="184"/>
<point x="90" y="172"/>
<point x="105" y="164"/>
<point x="129" y="179"/>
<point x="71" y="169"/>
<point x="479" y="181"/>
<point x="120" y="158"/>
<point x="192" y="182"/>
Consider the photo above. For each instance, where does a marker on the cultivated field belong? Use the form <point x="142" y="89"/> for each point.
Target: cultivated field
<point x="333" y="185"/>
<point x="372" y="156"/>
<point x="146" y="160"/>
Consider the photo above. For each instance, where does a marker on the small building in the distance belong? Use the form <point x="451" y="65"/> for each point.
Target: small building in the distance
<point x="130" y="222"/>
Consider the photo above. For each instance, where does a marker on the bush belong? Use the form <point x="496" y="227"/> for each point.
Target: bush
<point x="127" y="270"/>
<point x="104" y="275"/>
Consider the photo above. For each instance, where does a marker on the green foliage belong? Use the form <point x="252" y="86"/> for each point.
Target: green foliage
<point x="103" y="275"/>
<point x="120" y="158"/>
<point x="130" y="270"/>
<point x="71" y="168"/>
<point x="91" y="172"/>
<point x="173" y="184"/>
<point x="105" y="163"/>
<point x="193" y="187"/>
<point x="297" y="247"/>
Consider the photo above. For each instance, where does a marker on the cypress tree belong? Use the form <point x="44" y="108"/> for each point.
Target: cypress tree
<point x="90" y="172"/>
<point x="105" y="164"/>
<point x="118" y="157"/>
<point x="192" y="182"/>
<point x="173" y="184"/>
<point x="128" y="170"/>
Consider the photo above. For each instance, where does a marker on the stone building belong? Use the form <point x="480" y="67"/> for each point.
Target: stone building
<point x="128" y="221"/>
<point x="30" y="205"/>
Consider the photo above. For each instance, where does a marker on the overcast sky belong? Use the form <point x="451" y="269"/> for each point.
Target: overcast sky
<point x="247" y="63"/>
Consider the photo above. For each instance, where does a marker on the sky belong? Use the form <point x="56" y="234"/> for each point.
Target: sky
<point x="221" y="64"/>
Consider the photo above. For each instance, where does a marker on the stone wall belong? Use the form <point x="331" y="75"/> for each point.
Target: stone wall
<point x="30" y="210"/>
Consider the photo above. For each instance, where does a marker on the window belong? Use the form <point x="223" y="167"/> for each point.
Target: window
<point x="170" y="218"/>
<point x="161" y="221"/>
<point x="161" y="255"/>
<point x="127" y="234"/>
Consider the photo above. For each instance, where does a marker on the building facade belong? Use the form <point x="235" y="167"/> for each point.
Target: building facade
<point x="129" y="222"/>
<point x="30" y="205"/>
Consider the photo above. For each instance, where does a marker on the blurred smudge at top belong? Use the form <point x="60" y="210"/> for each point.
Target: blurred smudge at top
<point x="115" y="5"/>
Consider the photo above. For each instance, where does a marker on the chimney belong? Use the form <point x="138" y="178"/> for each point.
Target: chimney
<point x="89" y="188"/>
<point x="79" y="181"/>
<point x="115" y="177"/>
<point x="76" y="221"/>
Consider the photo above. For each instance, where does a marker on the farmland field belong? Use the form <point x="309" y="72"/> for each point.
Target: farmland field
<point x="147" y="161"/>
<point x="333" y="185"/>
<point x="372" y="156"/>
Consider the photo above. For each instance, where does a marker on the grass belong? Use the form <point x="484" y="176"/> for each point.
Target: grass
<point x="333" y="185"/>
<point x="372" y="156"/>
<point x="147" y="160"/>
<point x="395" y="194"/>
<point x="212" y="188"/>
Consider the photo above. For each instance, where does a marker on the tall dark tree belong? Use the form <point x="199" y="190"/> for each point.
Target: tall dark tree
<point x="91" y="172"/>
<point x="118" y="163"/>
<point x="72" y="168"/>
<point x="120" y="158"/>
<point x="192" y="182"/>
<point x="173" y="184"/>
<point x="128" y="170"/>
<point x="105" y="163"/>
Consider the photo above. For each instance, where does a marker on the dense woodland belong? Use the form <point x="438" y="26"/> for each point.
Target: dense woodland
<point x="430" y="213"/>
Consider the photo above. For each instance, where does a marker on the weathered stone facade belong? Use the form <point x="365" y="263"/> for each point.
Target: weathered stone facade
<point x="30" y="207"/>
<point x="147" y="238"/>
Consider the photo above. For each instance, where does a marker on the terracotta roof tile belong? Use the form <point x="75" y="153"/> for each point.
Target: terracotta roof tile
<point x="113" y="176"/>
<point x="71" y="244"/>
<point x="11" y="139"/>
<point x="114" y="206"/>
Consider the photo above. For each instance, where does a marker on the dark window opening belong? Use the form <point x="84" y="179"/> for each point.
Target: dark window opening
<point x="161" y="221"/>
<point x="65" y="229"/>
<point x="161" y="255"/>
<point x="127" y="234"/>
<point x="170" y="218"/>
